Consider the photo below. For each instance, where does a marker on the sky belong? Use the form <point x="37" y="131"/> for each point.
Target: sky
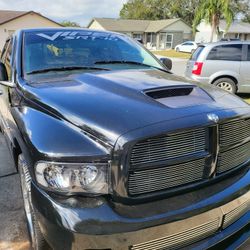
<point x="80" y="11"/>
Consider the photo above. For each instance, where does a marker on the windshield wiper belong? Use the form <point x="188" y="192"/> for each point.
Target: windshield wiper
<point x="131" y="62"/>
<point x="65" y="68"/>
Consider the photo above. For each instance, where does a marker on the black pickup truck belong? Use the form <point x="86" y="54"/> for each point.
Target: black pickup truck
<point x="116" y="152"/>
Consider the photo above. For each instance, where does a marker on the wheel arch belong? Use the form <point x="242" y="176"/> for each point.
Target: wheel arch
<point x="16" y="151"/>
<point x="225" y="76"/>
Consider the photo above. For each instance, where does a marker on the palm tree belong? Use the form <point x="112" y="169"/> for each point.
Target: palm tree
<point x="212" y="11"/>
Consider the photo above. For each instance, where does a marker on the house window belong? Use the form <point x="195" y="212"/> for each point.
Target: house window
<point x="151" y="39"/>
<point x="169" y="41"/>
<point x="137" y="36"/>
<point x="166" y="41"/>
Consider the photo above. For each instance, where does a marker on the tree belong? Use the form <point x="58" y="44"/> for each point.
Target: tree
<point x="212" y="11"/>
<point x="159" y="9"/>
<point x="70" y="24"/>
<point x="184" y="9"/>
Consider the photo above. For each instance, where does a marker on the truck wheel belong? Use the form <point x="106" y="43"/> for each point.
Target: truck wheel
<point x="226" y="84"/>
<point x="37" y="240"/>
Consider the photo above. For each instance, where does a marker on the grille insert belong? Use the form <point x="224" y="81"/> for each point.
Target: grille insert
<point x="235" y="214"/>
<point x="167" y="147"/>
<point x="145" y="181"/>
<point x="181" y="239"/>
<point x="233" y="158"/>
<point x="234" y="132"/>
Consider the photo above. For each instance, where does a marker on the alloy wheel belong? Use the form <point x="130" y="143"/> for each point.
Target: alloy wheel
<point x="226" y="86"/>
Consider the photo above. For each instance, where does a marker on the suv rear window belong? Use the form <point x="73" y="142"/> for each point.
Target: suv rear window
<point x="228" y="52"/>
<point x="248" y="53"/>
<point x="197" y="52"/>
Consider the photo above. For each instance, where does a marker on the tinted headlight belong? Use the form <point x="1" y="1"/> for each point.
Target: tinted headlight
<point x="91" y="178"/>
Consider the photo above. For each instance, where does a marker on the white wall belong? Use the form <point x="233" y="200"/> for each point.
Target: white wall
<point x="31" y="20"/>
<point x="204" y="33"/>
<point x="96" y="26"/>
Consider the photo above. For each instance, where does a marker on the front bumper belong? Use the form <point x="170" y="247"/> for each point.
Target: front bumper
<point x="93" y="224"/>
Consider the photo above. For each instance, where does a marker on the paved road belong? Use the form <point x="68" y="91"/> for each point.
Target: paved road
<point x="179" y="66"/>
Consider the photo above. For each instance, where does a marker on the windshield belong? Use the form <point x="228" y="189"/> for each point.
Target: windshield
<point x="82" y="50"/>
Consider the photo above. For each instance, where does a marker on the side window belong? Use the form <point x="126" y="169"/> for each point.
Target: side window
<point x="228" y="52"/>
<point x="187" y="43"/>
<point x="248" y="53"/>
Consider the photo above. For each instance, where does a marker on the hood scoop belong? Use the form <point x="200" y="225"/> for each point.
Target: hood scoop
<point x="180" y="96"/>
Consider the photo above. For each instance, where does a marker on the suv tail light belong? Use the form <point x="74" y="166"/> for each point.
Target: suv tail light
<point x="197" y="68"/>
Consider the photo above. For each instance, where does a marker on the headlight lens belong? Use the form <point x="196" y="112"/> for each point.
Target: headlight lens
<point x="92" y="178"/>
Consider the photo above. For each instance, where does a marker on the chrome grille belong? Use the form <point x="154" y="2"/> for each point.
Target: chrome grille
<point x="234" y="132"/>
<point x="233" y="158"/>
<point x="145" y="181"/>
<point x="236" y="213"/>
<point x="167" y="147"/>
<point x="181" y="239"/>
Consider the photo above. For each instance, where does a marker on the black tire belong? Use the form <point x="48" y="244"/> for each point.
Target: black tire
<point x="177" y="50"/>
<point x="37" y="240"/>
<point x="227" y="84"/>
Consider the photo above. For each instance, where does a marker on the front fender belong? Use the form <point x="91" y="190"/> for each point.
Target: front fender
<point x="50" y="138"/>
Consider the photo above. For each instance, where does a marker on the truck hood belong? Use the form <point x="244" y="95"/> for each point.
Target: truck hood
<point x="111" y="103"/>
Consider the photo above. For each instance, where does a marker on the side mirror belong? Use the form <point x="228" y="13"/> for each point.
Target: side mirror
<point x="3" y="72"/>
<point x="4" y="77"/>
<point x="167" y="62"/>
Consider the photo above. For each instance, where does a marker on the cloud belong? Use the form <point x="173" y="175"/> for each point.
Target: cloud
<point x="74" y="10"/>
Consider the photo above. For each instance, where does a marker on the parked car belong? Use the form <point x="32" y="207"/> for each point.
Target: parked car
<point x="116" y="152"/>
<point x="223" y="64"/>
<point x="188" y="46"/>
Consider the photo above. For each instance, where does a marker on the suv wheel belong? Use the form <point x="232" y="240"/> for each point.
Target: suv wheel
<point x="226" y="84"/>
<point x="37" y="240"/>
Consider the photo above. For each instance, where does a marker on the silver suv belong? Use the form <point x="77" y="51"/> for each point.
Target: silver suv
<point x="224" y="64"/>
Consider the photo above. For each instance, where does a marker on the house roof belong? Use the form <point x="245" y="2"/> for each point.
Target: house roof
<point x="122" y="25"/>
<point x="132" y="25"/>
<point x="155" y="26"/>
<point x="9" y="15"/>
<point x="235" y="27"/>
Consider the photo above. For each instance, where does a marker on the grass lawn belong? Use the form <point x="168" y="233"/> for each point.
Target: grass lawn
<point x="246" y="97"/>
<point x="248" y="100"/>
<point x="172" y="53"/>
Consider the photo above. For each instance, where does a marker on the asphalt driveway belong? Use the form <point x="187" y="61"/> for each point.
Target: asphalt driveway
<point x="13" y="230"/>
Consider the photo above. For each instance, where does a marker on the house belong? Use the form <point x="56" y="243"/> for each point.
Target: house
<point x="237" y="30"/>
<point x="13" y="20"/>
<point x="158" y="35"/>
